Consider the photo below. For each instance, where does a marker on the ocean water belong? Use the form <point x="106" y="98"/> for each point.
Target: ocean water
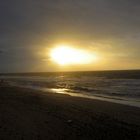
<point x="115" y="86"/>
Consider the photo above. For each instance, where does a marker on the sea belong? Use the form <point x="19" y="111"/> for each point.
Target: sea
<point x="121" y="86"/>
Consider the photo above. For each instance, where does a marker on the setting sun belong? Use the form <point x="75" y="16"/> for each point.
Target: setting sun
<point x="65" y="55"/>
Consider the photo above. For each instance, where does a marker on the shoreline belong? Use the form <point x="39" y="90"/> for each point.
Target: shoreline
<point x="30" y="114"/>
<point x="122" y="101"/>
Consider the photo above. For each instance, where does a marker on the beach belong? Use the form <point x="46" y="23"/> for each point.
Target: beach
<point x="27" y="114"/>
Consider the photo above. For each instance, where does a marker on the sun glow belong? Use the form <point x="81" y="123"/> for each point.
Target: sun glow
<point x="65" y="55"/>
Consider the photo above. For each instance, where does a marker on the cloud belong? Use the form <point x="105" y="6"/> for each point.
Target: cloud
<point x="27" y="25"/>
<point x="1" y="51"/>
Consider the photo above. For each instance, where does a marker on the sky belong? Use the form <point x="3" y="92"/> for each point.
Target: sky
<point x="30" y="28"/>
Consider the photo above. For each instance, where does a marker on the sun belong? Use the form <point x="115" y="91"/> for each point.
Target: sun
<point x="66" y="55"/>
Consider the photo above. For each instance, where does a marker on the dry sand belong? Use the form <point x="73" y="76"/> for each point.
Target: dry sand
<point x="31" y="115"/>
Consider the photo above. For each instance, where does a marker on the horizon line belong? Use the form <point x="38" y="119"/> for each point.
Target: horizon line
<point x="68" y="71"/>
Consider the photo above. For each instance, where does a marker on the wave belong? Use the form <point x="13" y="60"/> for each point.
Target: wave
<point x="125" y="90"/>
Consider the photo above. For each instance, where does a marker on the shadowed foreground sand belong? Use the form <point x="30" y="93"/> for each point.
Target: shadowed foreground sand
<point x="30" y="115"/>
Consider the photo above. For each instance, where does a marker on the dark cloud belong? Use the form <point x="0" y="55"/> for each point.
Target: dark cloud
<point x="110" y="17"/>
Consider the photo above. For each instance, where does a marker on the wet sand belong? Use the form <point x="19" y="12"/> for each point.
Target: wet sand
<point x="31" y="115"/>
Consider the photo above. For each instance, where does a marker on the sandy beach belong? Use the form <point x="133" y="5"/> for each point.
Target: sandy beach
<point x="32" y="115"/>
